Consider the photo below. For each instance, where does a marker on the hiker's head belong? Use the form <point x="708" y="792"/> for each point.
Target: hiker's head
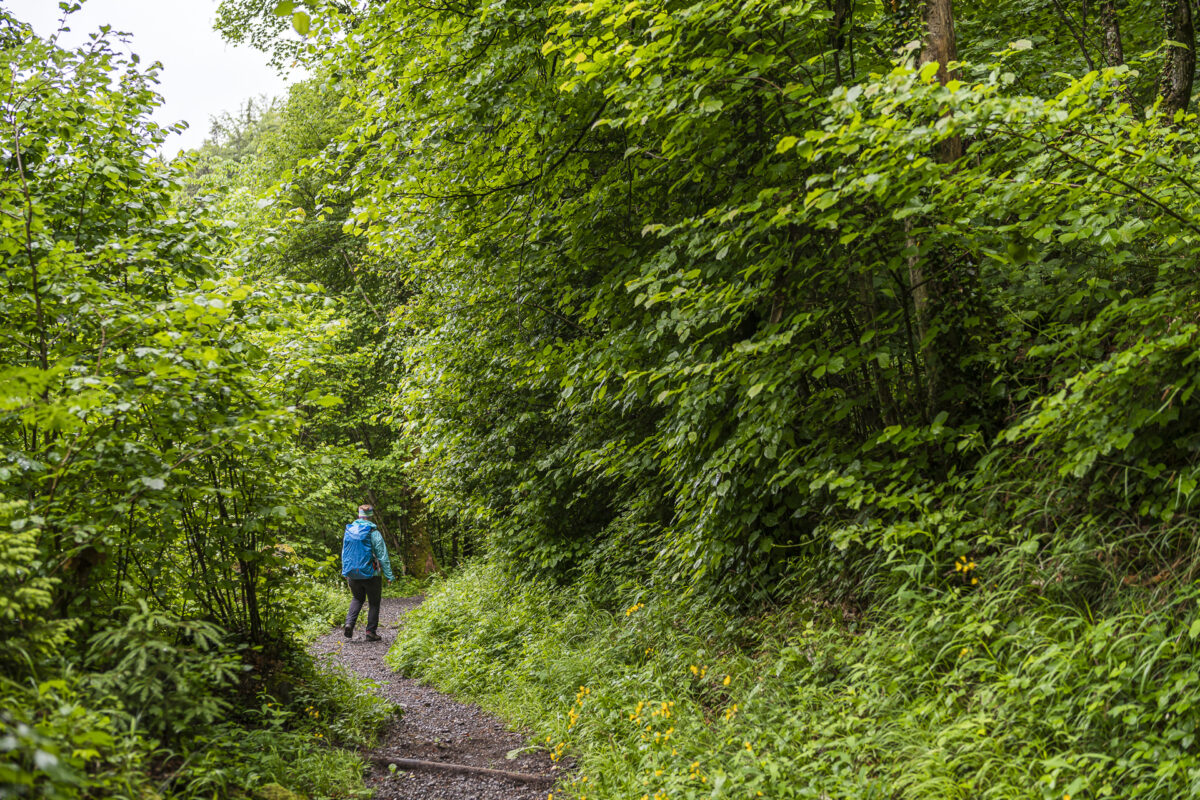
<point x="365" y="512"/>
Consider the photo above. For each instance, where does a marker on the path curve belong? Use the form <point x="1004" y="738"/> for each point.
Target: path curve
<point x="433" y="727"/>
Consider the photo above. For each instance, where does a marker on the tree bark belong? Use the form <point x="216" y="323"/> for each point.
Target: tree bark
<point x="1110" y="34"/>
<point x="1175" y="86"/>
<point x="841" y="22"/>
<point x="420" y="559"/>
<point x="869" y="312"/>
<point x="1112" y="49"/>
<point x="940" y="46"/>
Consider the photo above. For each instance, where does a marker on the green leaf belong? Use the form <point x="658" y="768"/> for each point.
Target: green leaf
<point x="786" y="143"/>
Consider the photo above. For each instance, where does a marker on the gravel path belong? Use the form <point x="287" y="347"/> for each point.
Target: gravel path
<point x="433" y="727"/>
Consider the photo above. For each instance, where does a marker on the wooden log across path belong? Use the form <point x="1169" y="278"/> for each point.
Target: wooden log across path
<point x="385" y="761"/>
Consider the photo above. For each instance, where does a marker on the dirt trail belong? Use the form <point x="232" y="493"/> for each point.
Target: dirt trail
<point x="434" y="727"/>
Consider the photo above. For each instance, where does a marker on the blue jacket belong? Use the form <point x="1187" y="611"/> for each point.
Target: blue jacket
<point x="378" y="548"/>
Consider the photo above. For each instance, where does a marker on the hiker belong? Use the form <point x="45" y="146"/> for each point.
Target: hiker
<point x="364" y="555"/>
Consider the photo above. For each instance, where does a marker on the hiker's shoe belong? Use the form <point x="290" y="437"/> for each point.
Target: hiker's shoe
<point x="374" y="637"/>
<point x="348" y="631"/>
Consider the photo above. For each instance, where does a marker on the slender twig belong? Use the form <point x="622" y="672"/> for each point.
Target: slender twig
<point x="1103" y="173"/>
<point x="1077" y="34"/>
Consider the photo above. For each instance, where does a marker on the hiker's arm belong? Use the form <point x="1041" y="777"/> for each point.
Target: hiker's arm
<point x="379" y="550"/>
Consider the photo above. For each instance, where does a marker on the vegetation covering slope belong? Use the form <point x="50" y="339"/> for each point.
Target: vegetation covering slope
<point x="966" y="694"/>
<point x="741" y="312"/>
<point x="845" y="349"/>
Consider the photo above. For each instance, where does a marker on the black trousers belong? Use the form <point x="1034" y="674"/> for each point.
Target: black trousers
<point x="371" y="590"/>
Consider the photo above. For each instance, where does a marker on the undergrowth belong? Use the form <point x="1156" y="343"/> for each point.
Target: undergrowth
<point x="965" y="682"/>
<point x="160" y="706"/>
<point x="320" y="607"/>
<point x="64" y="738"/>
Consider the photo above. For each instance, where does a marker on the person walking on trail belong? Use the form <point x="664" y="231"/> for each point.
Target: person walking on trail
<point x="364" y="556"/>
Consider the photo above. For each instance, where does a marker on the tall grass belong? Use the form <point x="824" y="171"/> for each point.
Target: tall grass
<point x="992" y="689"/>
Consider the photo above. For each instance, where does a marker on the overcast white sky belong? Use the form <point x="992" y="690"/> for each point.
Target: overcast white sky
<point x="202" y="76"/>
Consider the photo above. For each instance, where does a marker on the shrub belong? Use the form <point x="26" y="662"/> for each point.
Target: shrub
<point x="54" y="744"/>
<point x="29" y="636"/>
<point x="168" y="673"/>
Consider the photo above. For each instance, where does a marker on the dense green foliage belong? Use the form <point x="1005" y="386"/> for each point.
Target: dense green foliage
<point x="705" y="277"/>
<point x="156" y="564"/>
<point x="742" y="312"/>
<point x="741" y="339"/>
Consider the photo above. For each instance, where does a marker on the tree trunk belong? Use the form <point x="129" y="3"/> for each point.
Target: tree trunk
<point x="841" y="22"/>
<point x="1112" y="48"/>
<point x="1175" y="86"/>
<point x="940" y="46"/>
<point x="420" y="559"/>
<point x="869" y="313"/>
<point x="1110" y="34"/>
